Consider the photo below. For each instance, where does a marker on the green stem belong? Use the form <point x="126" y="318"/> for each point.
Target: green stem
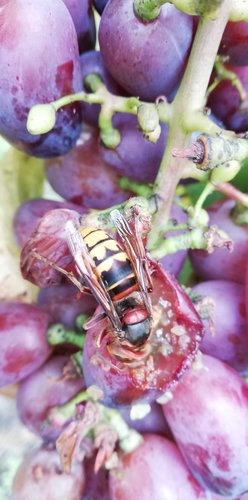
<point x="238" y="9"/>
<point x="208" y="189"/>
<point x="190" y="99"/>
<point x="67" y="410"/>
<point x="147" y="10"/>
<point x="101" y="218"/>
<point x="128" y="438"/>
<point x="226" y="74"/>
<point x="176" y="227"/>
<point x="136" y="187"/>
<point x="80" y="321"/>
<point x="209" y="8"/>
<point x="192" y="239"/>
<point x="58" y="334"/>
<point x="76" y="359"/>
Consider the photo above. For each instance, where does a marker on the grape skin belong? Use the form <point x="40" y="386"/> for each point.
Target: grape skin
<point x="64" y="305"/>
<point x="153" y="422"/>
<point x="31" y="211"/>
<point x="44" y="389"/>
<point x="228" y="340"/>
<point x="226" y="104"/>
<point x="83" y="177"/>
<point x="28" y="33"/>
<point x="135" y="156"/>
<point x="154" y="470"/>
<point x="208" y="416"/>
<point x="234" y="43"/>
<point x="136" y="63"/>
<point x="50" y="241"/>
<point x="40" y="477"/>
<point x="96" y="485"/>
<point x="82" y="15"/>
<point x="222" y="264"/>
<point x="174" y="262"/>
<point x="100" y="5"/>
<point x="23" y="343"/>
<point x="92" y="62"/>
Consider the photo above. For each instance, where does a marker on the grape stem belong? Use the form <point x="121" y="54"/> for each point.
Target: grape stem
<point x="58" y="334"/>
<point x="226" y="74"/>
<point x="189" y="99"/>
<point x="136" y="187"/>
<point x="128" y="438"/>
<point x="149" y="9"/>
<point x="197" y="238"/>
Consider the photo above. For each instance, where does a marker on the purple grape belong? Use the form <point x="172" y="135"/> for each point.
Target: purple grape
<point x="52" y="385"/>
<point x="40" y="477"/>
<point x="83" y="17"/>
<point x="83" y="177"/>
<point x="148" y="58"/>
<point x="226" y="104"/>
<point x="223" y="264"/>
<point x="135" y="156"/>
<point x="23" y="342"/>
<point x="227" y="339"/>
<point x="153" y="422"/>
<point x="234" y="43"/>
<point x="92" y="62"/>
<point x="31" y="211"/>
<point x="156" y="470"/>
<point x="100" y="5"/>
<point x="39" y="63"/>
<point x="174" y="262"/>
<point x="96" y="484"/>
<point x="246" y="289"/>
<point x="63" y="304"/>
<point x="208" y="416"/>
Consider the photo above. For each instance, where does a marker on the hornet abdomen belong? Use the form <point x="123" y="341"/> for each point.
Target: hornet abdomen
<point x="111" y="261"/>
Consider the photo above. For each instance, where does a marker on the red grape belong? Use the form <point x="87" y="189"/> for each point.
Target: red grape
<point x="227" y="339"/>
<point x="23" y="343"/>
<point x="52" y="385"/>
<point x="234" y="43"/>
<point x="222" y="264"/>
<point x="40" y="477"/>
<point x="156" y="470"/>
<point x="31" y="211"/>
<point x="174" y="340"/>
<point x="149" y="58"/>
<point x="39" y="63"/>
<point x="84" y="178"/>
<point x="226" y="104"/>
<point x="208" y="415"/>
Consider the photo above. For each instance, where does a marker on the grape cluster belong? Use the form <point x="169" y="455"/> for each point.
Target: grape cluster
<point x="138" y="111"/>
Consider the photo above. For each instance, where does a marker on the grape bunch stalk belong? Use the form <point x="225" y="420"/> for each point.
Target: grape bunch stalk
<point x="124" y="260"/>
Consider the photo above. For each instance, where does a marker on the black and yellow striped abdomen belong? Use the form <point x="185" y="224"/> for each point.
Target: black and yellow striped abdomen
<point x="111" y="261"/>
